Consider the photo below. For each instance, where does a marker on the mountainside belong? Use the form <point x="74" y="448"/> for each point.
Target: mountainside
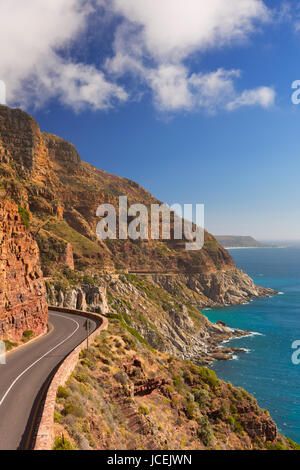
<point x="228" y="241"/>
<point x="123" y="395"/>
<point x="45" y="175"/>
<point x="23" y="306"/>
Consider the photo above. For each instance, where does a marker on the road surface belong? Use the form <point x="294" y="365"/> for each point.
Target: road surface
<point x="26" y="375"/>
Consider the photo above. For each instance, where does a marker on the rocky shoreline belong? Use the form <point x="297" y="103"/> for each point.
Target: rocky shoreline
<point x="223" y="334"/>
<point x="164" y="311"/>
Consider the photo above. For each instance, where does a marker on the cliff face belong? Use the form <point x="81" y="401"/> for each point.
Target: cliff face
<point x="46" y="175"/>
<point x="22" y="292"/>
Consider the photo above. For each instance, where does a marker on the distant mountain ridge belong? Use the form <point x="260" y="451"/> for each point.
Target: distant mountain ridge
<point x="239" y="241"/>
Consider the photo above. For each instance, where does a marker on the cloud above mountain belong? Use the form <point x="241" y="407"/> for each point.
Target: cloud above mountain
<point x="33" y="34"/>
<point x="154" y="43"/>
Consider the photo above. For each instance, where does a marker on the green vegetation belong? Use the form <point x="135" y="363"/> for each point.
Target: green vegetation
<point x="201" y="397"/>
<point x="9" y="345"/>
<point x="25" y="216"/>
<point x="112" y="386"/>
<point x="143" y="410"/>
<point x="61" y="443"/>
<point x="235" y="424"/>
<point x="73" y="409"/>
<point x="293" y="444"/>
<point x="57" y="417"/>
<point x="62" y="392"/>
<point x="276" y="446"/>
<point x="209" y="376"/>
<point x="131" y="330"/>
<point x="205" y="431"/>
<point x="80" y="243"/>
<point x="27" y="335"/>
<point x="190" y="410"/>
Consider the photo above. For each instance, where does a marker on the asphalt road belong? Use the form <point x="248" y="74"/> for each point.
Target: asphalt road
<point x="27" y="372"/>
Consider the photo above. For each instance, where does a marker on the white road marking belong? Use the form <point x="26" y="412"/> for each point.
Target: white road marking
<point x="42" y="357"/>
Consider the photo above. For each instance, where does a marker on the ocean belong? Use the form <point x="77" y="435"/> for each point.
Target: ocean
<point x="267" y="370"/>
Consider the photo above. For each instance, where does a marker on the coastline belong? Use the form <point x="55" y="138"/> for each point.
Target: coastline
<point x="252" y="247"/>
<point x="220" y="335"/>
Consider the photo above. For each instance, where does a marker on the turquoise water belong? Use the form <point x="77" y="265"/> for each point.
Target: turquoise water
<point x="267" y="370"/>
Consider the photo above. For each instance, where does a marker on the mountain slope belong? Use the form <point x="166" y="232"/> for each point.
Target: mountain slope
<point x="123" y="396"/>
<point x="46" y="175"/>
<point x="228" y="241"/>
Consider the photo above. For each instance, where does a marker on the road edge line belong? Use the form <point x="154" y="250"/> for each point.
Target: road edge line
<point x="44" y="438"/>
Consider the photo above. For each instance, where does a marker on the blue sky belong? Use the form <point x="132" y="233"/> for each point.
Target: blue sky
<point x="194" y="118"/>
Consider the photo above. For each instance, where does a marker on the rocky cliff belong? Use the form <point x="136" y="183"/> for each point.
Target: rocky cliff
<point x="23" y="304"/>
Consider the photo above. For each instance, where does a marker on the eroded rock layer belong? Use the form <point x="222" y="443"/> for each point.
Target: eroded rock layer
<point x="22" y="292"/>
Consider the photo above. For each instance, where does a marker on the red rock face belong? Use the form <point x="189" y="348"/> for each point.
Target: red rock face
<point x="22" y="291"/>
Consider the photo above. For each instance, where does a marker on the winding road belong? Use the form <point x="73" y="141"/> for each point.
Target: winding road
<point x="27" y="374"/>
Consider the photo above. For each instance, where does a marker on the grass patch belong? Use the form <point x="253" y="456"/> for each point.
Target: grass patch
<point x="24" y="216"/>
<point x="61" y="443"/>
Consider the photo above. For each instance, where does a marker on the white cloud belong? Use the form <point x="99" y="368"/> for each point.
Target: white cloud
<point x="171" y="88"/>
<point x="263" y="96"/>
<point x="172" y="29"/>
<point x="156" y="37"/>
<point x="152" y="44"/>
<point x="32" y="33"/>
<point x="175" y="90"/>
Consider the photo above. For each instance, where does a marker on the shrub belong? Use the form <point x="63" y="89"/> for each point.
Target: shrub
<point x="293" y="444"/>
<point x="190" y="410"/>
<point x="73" y="409"/>
<point x="62" y="392"/>
<point x="201" y="396"/>
<point x="177" y="381"/>
<point x="27" y="334"/>
<point x="81" y="377"/>
<point x="275" y="446"/>
<point x="143" y="410"/>
<point x="24" y="216"/>
<point x="188" y="378"/>
<point x="205" y="432"/>
<point x="57" y="417"/>
<point x="279" y="446"/>
<point x="235" y="425"/>
<point x="209" y="376"/>
<point x="61" y="443"/>
<point x="9" y="345"/>
<point x="121" y="377"/>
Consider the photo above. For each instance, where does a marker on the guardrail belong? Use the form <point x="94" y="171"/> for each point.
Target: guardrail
<point x="45" y="434"/>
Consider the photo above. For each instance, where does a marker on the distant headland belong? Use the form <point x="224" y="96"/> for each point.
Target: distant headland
<point x="238" y="241"/>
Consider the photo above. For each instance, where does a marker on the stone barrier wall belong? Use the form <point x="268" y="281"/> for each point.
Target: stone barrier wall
<point x="45" y="434"/>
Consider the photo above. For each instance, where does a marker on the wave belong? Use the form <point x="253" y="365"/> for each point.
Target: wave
<point x="280" y="293"/>
<point x="253" y="333"/>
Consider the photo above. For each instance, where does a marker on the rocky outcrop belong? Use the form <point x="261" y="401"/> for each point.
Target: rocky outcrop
<point x="86" y="297"/>
<point x="22" y="292"/>
<point x="230" y="287"/>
